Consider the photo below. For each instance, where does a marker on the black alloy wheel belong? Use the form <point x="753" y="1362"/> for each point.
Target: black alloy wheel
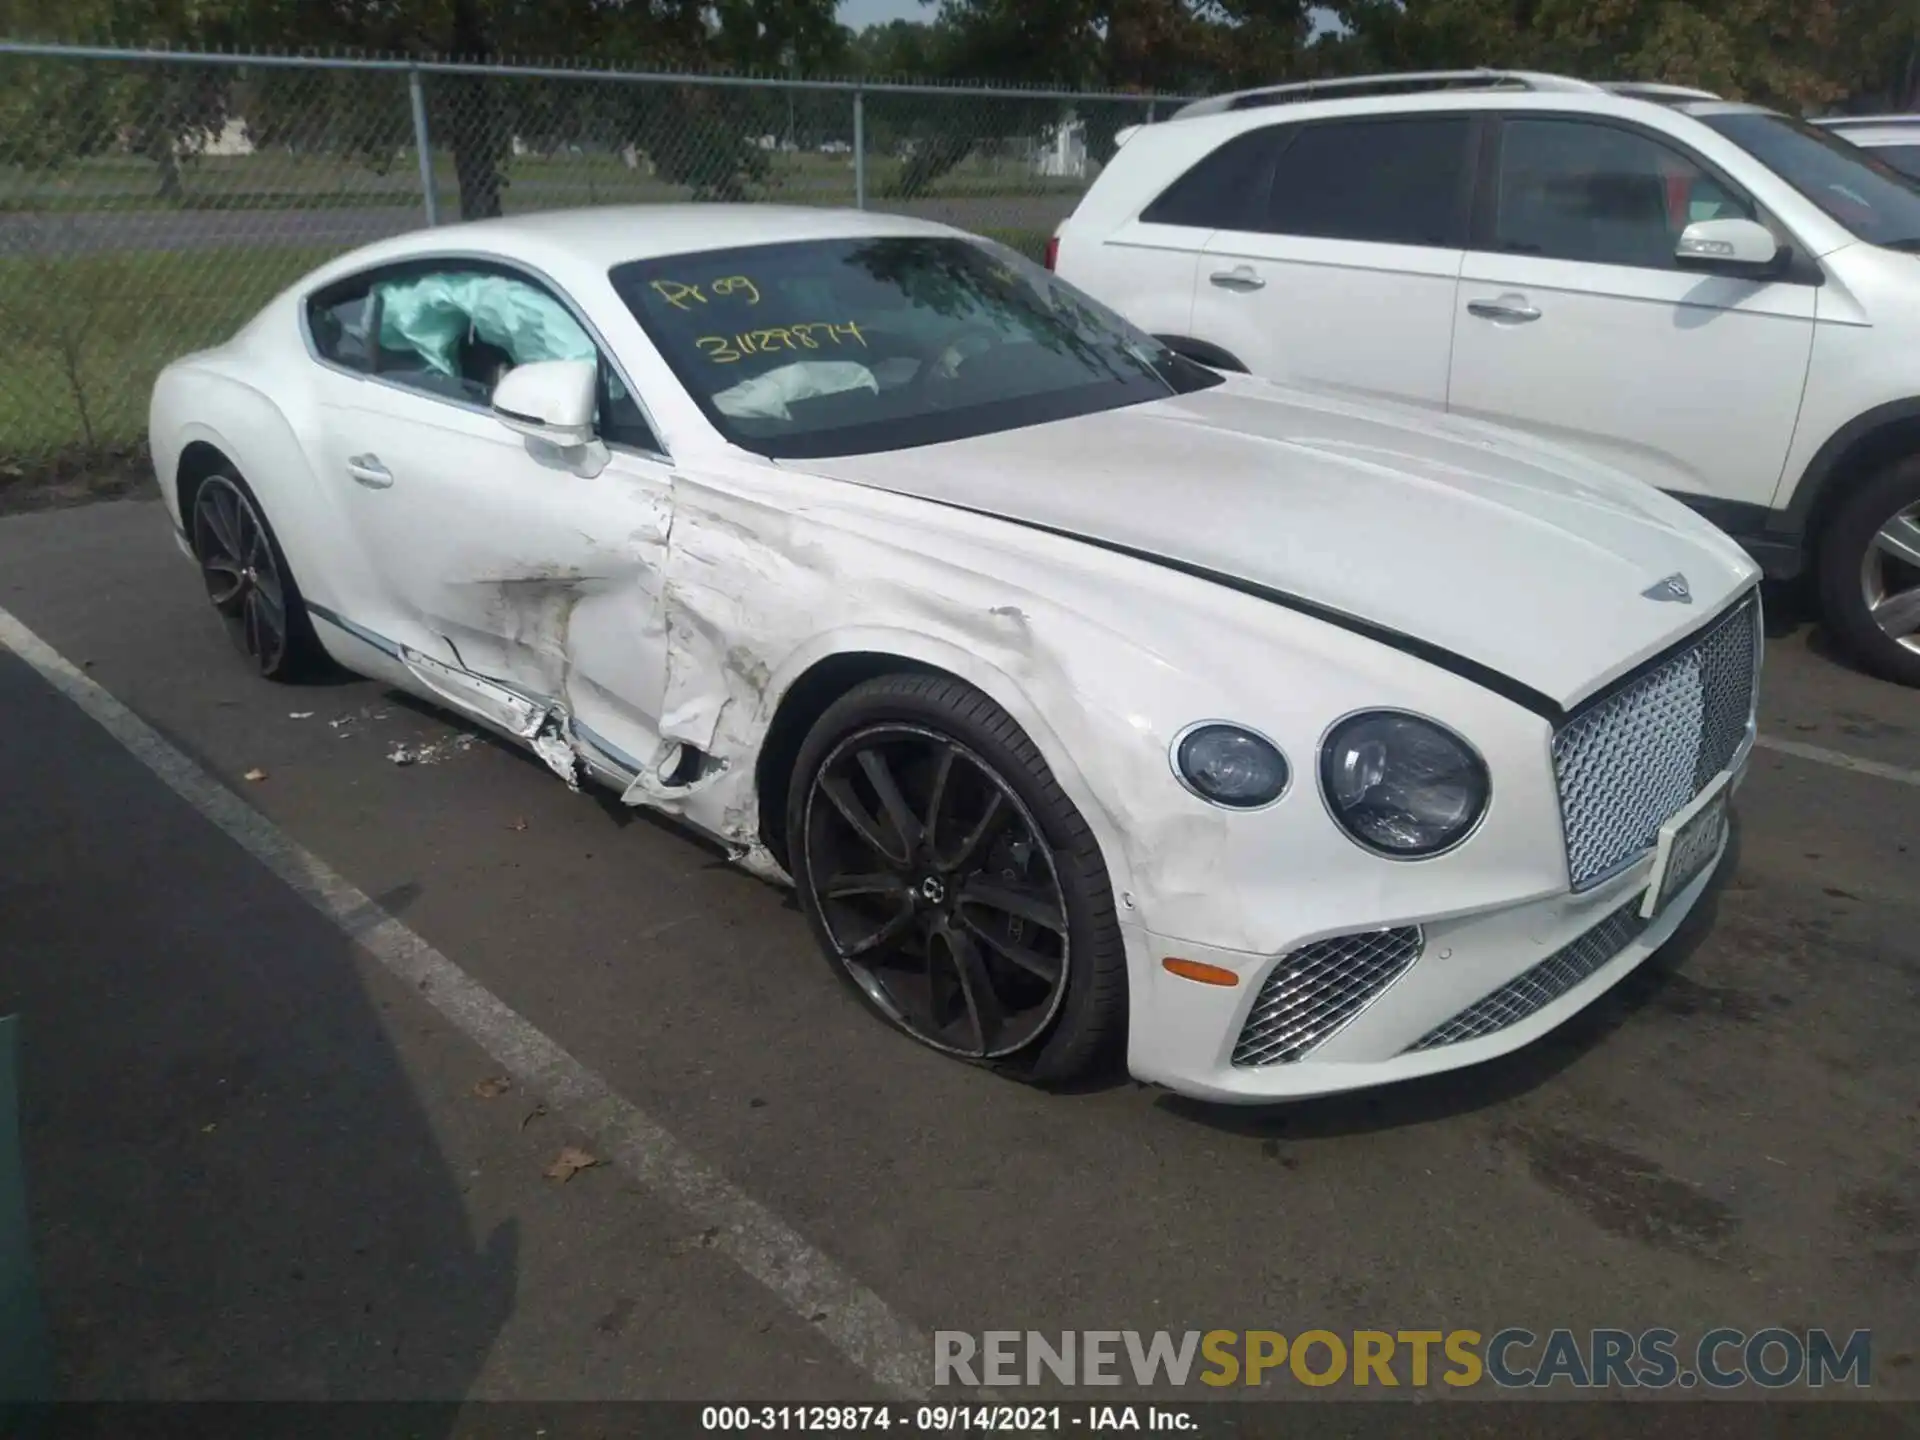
<point x="247" y="579"/>
<point x="941" y="891"/>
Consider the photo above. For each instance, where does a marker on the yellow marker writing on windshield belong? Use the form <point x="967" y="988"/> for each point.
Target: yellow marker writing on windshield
<point x="677" y="294"/>
<point x="736" y="285"/>
<point x="806" y="335"/>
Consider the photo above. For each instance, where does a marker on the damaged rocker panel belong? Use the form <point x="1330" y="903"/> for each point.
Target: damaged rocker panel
<point x="545" y="726"/>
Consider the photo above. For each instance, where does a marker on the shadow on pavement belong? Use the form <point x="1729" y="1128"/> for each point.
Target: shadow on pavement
<point x="235" y="1190"/>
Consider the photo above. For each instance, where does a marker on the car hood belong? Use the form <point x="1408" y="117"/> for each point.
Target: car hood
<point x="1518" y="557"/>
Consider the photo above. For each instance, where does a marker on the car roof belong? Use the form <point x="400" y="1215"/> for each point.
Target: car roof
<point x="1847" y="122"/>
<point x="607" y="235"/>
<point x="1428" y="92"/>
<point x="1872" y="130"/>
<point x="1385" y="89"/>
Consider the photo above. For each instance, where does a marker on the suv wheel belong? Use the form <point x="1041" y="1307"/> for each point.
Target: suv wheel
<point x="1869" y="568"/>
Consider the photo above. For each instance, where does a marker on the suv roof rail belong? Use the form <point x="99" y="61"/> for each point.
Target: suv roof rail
<point x="1841" y="122"/>
<point x="1653" y="90"/>
<point x="1412" y="82"/>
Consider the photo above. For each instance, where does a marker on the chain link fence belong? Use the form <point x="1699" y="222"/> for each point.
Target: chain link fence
<point x="151" y="201"/>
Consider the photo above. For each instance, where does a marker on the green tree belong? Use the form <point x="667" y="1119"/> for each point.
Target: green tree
<point x="167" y="112"/>
<point x="1785" y="52"/>
<point x="56" y="110"/>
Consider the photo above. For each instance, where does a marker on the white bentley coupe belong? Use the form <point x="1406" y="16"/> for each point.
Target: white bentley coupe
<point x="1092" y="701"/>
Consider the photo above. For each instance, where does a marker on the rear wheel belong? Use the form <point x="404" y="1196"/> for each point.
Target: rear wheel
<point x="951" y="881"/>
<point x="1869" y="571"/>
<point x="247" y="579"/>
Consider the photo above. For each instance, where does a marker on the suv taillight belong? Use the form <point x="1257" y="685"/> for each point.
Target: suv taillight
<point x="1053" y="252"/>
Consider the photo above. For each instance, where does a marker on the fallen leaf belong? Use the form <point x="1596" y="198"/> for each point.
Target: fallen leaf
<point x="532" y="1115"/>
<point x="255" y="775"/>
<point x="493" y="1087"/>
<point x="401" y="755"/>
<point x="570" y="1162"/>
<point x="518" y="825"/>
<point x="300" y="714"/>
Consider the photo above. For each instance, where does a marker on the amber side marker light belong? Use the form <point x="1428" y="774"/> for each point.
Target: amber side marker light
<point x="1194" y="970"/>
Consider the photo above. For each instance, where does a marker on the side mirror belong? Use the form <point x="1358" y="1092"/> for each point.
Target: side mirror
<point x="1740" y="245"/>
<point x="551" y="400"/>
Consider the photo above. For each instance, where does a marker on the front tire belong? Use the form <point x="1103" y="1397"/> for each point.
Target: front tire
<point x="1869" y="573"/>
<point x="248" y="582"/>
<point x="951" y="882"/>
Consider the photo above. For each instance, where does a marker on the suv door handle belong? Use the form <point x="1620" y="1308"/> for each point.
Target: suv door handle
<point x="1241" y="277"/>
<point x="368" y="470"/>
<point x="1512" y="309"/>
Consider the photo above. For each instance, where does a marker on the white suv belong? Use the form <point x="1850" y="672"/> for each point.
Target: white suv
<point x="1717" y="298"/>
<point x="1892" y="138"/>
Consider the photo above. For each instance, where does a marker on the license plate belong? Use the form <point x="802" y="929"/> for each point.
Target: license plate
<point x="1688" y="843"/>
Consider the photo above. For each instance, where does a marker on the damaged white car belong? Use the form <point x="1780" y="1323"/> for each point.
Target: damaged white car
<point x="1090" y="699"/>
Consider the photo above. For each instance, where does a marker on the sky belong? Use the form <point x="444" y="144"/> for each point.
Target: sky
<point x="858" y="14"/>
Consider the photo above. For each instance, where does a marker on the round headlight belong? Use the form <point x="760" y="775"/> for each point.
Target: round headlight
<point x="1230" y="766"/>
<point x="1402" y="785"/>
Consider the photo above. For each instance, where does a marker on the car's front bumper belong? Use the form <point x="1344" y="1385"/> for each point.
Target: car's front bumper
<point x="1183" y="1033"/>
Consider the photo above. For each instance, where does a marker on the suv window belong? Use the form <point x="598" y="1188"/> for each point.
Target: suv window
<point x="455" y="331"/>
<point x="1223" y="190"/>
<point x="1399" y="182"/>
<point x="1573" y="190"/>
<point x="1856" y="187"/>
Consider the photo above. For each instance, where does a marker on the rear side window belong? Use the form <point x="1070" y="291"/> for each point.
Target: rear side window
<point x="1398" y="182"/>
<point x="1223" y="191"/>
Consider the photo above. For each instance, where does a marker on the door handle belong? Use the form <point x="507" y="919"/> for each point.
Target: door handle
<point x="368" y="470"/>
<point x="1241" y="277"/>
<point x="1509" y="308"/>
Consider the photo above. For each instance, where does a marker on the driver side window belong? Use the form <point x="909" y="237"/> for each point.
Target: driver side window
<point x="1577" y="190"/>
<point x="454" y="330"/>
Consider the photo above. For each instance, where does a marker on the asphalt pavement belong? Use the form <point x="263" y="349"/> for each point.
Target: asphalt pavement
<point x="262" y="1164"/>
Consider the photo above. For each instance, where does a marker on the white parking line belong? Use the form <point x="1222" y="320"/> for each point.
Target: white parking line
<point x="857" y="1322"/>
<point x="1820" y="755"/>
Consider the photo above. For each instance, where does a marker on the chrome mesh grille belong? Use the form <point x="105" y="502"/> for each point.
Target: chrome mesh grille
<point x="1627" y="762"/>
<point x="1318" y="988"/>
<point x="1544" y="983"/>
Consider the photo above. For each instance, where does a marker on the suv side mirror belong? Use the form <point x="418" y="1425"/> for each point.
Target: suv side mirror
<point x="551" y="400"/>
<point x="1736" y="245"/>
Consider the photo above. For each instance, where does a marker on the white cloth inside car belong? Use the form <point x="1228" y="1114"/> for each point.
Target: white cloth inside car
<point x="766" y="397"/>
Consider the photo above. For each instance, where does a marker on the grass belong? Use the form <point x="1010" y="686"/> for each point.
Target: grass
<point x="83" y="336"/>
<point x="273" y="180"/>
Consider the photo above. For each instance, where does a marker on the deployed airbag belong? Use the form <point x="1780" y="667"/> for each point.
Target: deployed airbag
<point x="431" y="316"/>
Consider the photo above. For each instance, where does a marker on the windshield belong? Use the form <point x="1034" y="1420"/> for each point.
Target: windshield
<point x="1868" y="196"/>
<point x="844" y="347"/>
